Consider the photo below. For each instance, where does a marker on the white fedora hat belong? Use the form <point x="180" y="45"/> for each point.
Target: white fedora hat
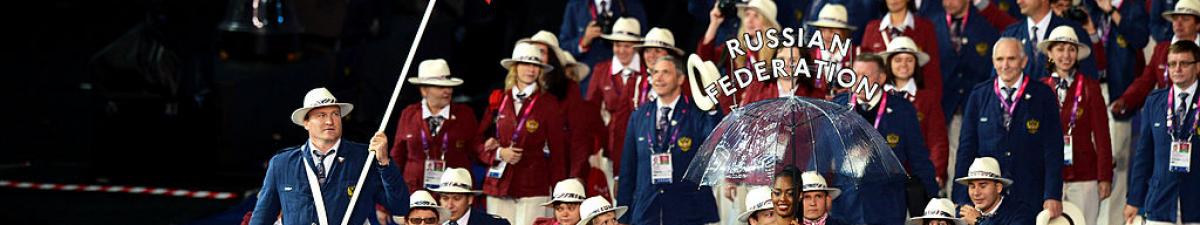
<point x="551" y="40"/>
<point x="1071" y="215"/>
<point x="1064" y="34"/>
<point x="317" y="98"/>
<point x="765" y="7"/>
<point x="659" y="38"/>
<point x="1183" y="7"/>
<point x="905" y="45"/>
<point x="986" y="168"/>
<point x="708" y="74"/>
<point x="435" y="72"/>
<point x="813" y="181"/>
<point x="569" y="190"/>
<point x="595" y="206"/>
<point x="455" y="180"/>
<point x="422" y="199"/>
<point x="625" y="29"/>
<point x="526" y="53"/>
<point x="758" y="199"/>
<point x="833" y="16"/>
<point x="938" y="208"/>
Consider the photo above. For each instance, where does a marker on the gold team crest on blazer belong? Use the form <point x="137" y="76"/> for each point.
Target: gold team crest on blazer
<point x="893" y="140"/>
<point x="531" y="126"/>
<point x="981" y="48"/>
<point x="685" y="144"/>
<point x="1032" y="125"/>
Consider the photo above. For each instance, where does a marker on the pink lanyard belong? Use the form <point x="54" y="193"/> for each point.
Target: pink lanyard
<point x="520" y="118"/>
<point x="425" y="140"/>
<point x="963" y="26"/>
<point x="878" y="113"/>
<point x="1008" y="108"/>
<point x="1075" y="106"/>
<point x="674" y="135"/>
<point x="1171" y="118"/>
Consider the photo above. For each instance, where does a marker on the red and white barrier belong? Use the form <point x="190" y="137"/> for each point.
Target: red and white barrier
<point x="118" y="189"/>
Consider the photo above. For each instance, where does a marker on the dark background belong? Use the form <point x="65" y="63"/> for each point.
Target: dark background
<point x="156" y="93"/>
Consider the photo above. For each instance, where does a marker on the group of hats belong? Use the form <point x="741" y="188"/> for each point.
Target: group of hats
<point x="759" y="198"/>
<point x="454" y="180"/>
<point x="571" y="191"/>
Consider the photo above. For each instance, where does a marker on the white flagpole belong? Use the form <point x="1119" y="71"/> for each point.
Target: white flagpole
<point x="387" y="115"/>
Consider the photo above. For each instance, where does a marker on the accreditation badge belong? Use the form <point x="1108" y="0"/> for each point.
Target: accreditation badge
<point x="1068" y="151"/>
<point x="660" y="168"/>
<point x="1032" y="126"/>
<point x="531" y="126"/>
<point x="893" y="139"/>
<point x="1181" y="156"/>
<point x="685" y="144"/>
<point x="433" y="173"/>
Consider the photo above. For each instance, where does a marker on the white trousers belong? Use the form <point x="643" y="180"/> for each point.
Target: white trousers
<point x="1085" y="195"/>
<point x="1112" y="209"/>
<point x="955" y="128"/>
<point x="519" y="210"/>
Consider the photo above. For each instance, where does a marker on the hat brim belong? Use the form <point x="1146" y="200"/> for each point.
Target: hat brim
<point x="621" y="37"/>
<point x="921" y="220"/>
<point x="832" y="192"/>
<point x="298" y="114"/>
<point x="1170" y="14"/>
<point x="508" y="64"/>
<point x="744" y="217"/>
<point x="551" y="202"/>
<point x="964" y="180"/>
<point x="619" y="209"/>
<point x="832" y="24"/>
<point x="451" y="82"/>
<point x="1083" y="51"/>
<point x="677" y="51"/>
<point x="1071" y="215"/>
<point x="455" y="191"/>
<point x="922" y="58"/>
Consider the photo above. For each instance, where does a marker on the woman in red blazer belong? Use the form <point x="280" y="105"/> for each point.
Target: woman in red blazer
<point x="1087" y="175"/>
<point x="434" y="134"/>
<point x="526" y="145"/>
<point x="900" y="21"/>
<point x="904" y="59"/>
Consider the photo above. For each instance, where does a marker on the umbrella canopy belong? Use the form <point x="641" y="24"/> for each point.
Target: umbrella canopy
<point x="755" y="141"/>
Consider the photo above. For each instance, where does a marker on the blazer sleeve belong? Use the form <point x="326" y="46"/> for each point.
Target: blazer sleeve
<point x="968" y="144"/>
<point x="918" y="154"/>
<point x="1100" y="135"/>
<point x="627" y="183"/>
<point x="1143" y="160"/>
<point x="394" y="192"/>
<point x="1051" y="136"/>
<point x="266" y="210"/>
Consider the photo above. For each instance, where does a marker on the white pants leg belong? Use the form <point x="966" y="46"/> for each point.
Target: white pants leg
<point x="955" y="129"/>
<point x="1112" y="208"/>
<point x="1085" y="195"/>
<point x="519" y="210"/>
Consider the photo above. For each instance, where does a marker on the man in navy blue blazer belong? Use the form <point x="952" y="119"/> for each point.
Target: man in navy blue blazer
<point x="1015" y="119"/>
<point x="315" y="182"/>
<point x="662" y="139"/>
<point x="1161" y="183"/>
<point x="1039" y="19"/>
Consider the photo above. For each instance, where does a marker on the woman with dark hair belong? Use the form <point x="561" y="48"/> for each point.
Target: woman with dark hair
<point x="906" y="79"/>
<point x="1087" y="152"/>
<point x="900" y="21"/>
<point x="785" y="193"/>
